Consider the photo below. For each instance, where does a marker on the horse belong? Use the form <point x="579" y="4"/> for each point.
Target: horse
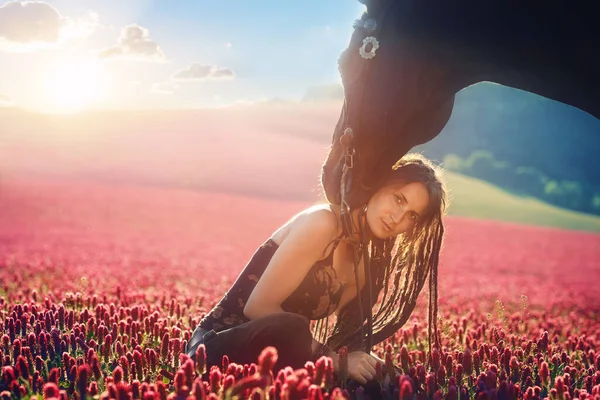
<point x="407" y="59"/>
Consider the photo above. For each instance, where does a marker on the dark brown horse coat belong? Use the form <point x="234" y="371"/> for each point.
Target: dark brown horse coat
<point x="402" y="93"/>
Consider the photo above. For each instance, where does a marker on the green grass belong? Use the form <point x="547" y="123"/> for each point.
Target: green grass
<point x="474" y="198"/>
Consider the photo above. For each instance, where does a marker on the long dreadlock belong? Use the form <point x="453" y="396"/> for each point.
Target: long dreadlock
<point x="399" y="267"/>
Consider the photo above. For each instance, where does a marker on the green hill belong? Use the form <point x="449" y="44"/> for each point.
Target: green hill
<point x="474" y="198"/>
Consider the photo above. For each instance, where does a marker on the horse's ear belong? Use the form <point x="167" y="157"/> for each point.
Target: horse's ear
<point x="374" y="6"/>
<point x="371" y="4"/>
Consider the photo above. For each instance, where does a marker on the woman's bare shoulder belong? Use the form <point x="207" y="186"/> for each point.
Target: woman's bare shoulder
<point x="320" y="219"/>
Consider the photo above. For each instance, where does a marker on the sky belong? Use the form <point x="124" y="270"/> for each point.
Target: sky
<point x="68" y="55"/>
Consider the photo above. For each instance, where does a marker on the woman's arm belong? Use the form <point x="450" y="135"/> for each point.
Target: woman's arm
<point x="304" y="245"/>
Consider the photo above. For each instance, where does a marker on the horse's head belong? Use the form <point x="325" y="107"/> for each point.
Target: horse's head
<point x="396" y="96"/>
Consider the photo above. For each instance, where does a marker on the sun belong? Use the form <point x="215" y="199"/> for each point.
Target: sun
<point x="74" y="85"/>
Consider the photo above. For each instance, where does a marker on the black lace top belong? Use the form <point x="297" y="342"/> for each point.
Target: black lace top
<point x="317" y="296"/>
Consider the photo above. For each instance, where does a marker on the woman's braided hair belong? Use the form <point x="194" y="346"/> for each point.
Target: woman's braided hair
<point x="399" y="265"/>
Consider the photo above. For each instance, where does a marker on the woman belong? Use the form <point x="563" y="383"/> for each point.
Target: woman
<point x="306" y="271"/>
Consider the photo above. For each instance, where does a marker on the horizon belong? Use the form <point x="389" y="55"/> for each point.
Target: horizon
<point x="273" y="103"/>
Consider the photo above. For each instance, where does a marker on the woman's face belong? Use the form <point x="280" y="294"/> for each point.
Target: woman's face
<point x="396" y="208"/>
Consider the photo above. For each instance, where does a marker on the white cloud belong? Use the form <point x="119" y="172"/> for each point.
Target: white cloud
<point x="82" y="27"/>
<point x="33" y="25"/>
<point x="262" y="101"/>
<point x="198" y="72"/>
<point x="333" y="92"/>
<point x="134" y="44"/>
<point x="166" y="88"/>
<point x="195" y="72"/>
<point x="6" y="100"/>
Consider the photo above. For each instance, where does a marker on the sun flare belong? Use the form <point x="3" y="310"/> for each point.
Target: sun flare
<point x="74" y="85"/>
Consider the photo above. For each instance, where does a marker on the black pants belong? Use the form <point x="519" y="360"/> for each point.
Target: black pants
<point x="289" y="333"/>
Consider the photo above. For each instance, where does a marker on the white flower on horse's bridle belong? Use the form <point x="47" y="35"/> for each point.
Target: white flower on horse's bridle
<point x="374" y="46"/>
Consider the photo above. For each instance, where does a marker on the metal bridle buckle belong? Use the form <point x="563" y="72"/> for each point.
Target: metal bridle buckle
<point x="349" y="159"/>
<point x="346" y="142"/>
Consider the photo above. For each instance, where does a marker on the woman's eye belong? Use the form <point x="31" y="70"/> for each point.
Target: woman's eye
<point x="398" y="198"/>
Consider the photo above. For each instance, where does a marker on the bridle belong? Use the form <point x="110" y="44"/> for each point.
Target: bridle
<point x="371" y="26"/>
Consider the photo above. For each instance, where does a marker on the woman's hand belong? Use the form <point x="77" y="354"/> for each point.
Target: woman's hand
<point x="361" y="366"/>
<point x="378" y="359"/>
